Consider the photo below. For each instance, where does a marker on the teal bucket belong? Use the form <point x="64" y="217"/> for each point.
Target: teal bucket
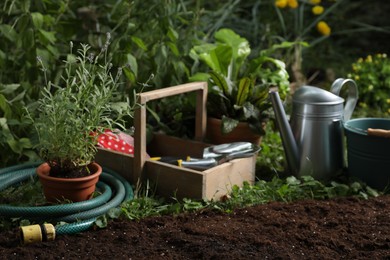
<point x="368" y="156"/>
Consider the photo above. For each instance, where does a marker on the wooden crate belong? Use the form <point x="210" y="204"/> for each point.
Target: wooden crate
<point x="171" y="180"/>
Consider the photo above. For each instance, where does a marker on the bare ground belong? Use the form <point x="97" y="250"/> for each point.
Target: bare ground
<point x="347" y="228"/>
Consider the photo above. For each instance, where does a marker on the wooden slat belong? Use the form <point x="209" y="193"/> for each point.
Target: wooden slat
<point x="171" y="91"/>
<point x="119" y="162"/>
<point x="201" y="114"/>
<point x="220" y="180"/>
<point x="139" y="142"/>
<point x="164" y="145"/>
<point x="172" y="181"/>
<point x="140" y="118"/>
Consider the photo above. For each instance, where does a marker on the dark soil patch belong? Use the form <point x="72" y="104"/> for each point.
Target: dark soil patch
<point x="333" y="229"/>
<point x="69" y="170"/>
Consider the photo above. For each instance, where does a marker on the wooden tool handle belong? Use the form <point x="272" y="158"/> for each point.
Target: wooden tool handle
<point x="140" y="118"/>
<point x="378" y="132"/>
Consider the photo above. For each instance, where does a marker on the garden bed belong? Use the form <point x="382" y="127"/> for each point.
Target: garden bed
<point x="308" y="229"/>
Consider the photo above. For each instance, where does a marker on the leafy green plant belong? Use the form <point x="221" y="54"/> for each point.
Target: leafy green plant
<point x="40" y="28"/>
<point x="14" y="127"/>
<point x="69" y="120"/>
<point x="142" y="207"/>
<point x="24" y="194"/>
<point x="372" y="76"/>
<point x="278" y="189"/>
<point x="271" y="159"/>
<point x="239" y="84"/>
<point x="27" y="29"/>
<point x="292" y="189"/>
<point x="145" y="205"/>
<point x="156" y="44"/>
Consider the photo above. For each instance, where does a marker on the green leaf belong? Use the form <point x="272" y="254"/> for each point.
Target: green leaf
<point x="114" y="213"/>
<point x="200" y="77"/>
<point x="28" y="39"/>
<point x="8" y="88"/>
<point x="292" y="180"/>
<point x="25" y="143"/>
<point x="48" y="36"/>
<point x="132" y="63"/>
<point x="239" y="44"/>
<point x="53" y="50"/>
<point x="129" y="74"/>
<point x="3" y="58"/>
<point x="172" y="46"/>
<point x="8" y="32"/>
<point x="244" y="88"/>
<point x="218" y="59"/>
<point x="14" y="145"/>
<point x="240" y="49"/>
<point x="20" y="96"/>
<point x="4" y="106"/>
<point x="228" y="124"/>
<point x="37" y="19"/>
<point x="259" y="94"/>
<point x="372" y="192"/>
<point x="249" y="111"/>
<point x="25" y="5"/>
<point x="3" y="123"/>
<point x="120" y="107"/>
<point x="31" y="155"/>
<point x="164" y="54"/>
<point x="221" y="83"/>
<point x="101" y="221"/>
<point x="172" y="34"/>
<point x="139" y="42"/>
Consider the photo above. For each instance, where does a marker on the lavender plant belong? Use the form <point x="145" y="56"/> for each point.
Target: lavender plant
<point x="71" y="116"/>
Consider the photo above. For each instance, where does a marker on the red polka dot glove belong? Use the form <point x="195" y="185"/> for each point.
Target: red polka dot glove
<point x="117" y="141"/>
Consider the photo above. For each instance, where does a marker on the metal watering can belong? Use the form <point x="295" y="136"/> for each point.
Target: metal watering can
<point x="314" y="142"/>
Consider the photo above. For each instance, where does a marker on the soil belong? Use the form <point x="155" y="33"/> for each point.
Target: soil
<point x="69" y="171"/>
<point x="348" y="228"/>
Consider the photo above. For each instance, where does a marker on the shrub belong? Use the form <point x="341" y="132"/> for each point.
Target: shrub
<point x="372" y="75"/>
<point x="82" y="107"/>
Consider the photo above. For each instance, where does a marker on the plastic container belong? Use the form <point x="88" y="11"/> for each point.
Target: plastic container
<point x="368" y="156"/>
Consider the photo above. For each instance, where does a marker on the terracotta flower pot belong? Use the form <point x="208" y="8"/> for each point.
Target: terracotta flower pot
<point x="242" y="133"/>
<point x="74" y="189"/>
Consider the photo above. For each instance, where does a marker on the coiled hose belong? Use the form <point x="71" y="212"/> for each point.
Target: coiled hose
<point x="80" y="216"/>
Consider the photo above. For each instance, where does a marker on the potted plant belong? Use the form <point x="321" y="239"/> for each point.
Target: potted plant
<point x="239" y="82"/>
<point x="70" y="116"/>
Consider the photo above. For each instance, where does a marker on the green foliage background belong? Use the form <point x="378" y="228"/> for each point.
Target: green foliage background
<point x="152" y="37"/>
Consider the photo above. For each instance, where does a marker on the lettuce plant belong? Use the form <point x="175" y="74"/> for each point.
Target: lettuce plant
<point x="239" y="81"/>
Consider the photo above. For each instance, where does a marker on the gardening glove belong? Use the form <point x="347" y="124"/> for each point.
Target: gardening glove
<point x="116" y="141"/>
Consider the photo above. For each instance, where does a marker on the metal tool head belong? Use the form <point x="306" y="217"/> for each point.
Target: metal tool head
<point x="230" y="149"/>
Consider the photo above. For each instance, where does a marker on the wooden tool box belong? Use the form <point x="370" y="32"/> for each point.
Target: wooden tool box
<point x="171" y="180"/>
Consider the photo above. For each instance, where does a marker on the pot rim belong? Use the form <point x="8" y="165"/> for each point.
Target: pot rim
<point x="358" y="130"/>
<point x="43" y="172"/>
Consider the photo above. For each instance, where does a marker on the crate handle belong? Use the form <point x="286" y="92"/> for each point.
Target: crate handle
<point x="140" y="118"/>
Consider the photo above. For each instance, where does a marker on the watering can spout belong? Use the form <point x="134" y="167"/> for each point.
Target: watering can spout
<point x="289" y="144"/>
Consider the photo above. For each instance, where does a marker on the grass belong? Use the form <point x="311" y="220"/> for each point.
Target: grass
<point x="145" y="204"/>
<point x="273" y="184"/>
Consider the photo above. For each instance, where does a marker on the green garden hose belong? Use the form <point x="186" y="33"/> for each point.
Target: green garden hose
<point x="80" y="216"/>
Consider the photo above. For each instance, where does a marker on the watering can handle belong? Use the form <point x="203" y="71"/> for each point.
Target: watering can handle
<point x="352" y="95"/>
